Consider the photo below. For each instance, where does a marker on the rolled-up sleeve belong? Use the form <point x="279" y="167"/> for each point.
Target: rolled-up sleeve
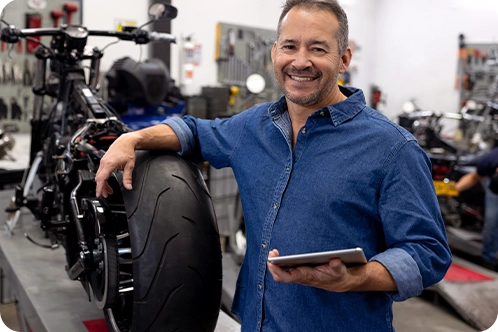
<point x="404" y="271"/>
<point x="184" y="134"/>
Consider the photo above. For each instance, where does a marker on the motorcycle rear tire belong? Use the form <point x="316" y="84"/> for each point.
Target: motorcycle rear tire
<point x="175" y="246"/>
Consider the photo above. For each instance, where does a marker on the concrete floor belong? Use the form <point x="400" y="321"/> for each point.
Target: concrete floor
<point x="421" y="314"/>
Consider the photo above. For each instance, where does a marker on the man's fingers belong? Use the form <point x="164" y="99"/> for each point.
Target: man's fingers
<point x="273" y="253"/>
<point x="103" y="189"/>
<point x="127" y="173"/>
<point x="103" y="173"/>
<point x="108" y="189"/>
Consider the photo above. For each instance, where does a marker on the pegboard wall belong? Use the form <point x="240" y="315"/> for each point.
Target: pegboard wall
<point x="240" y="52"/>
<point x="17" y="61"/>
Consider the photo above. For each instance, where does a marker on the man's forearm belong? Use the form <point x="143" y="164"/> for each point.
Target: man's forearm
<point x="467" y="181"/>
<point x="158" y="137"/>
<point x="371" y="277"/>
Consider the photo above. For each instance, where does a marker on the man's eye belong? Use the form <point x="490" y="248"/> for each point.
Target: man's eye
<point x="288" y="47"/>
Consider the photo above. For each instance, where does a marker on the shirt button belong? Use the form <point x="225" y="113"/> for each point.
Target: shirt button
<point x="260" y="286"/>
<point x="322" y="113"/>
<point x="259" y="324"/>
<point x="263" y="245"/>
<point x="303" y="130"/>
<point x="274" y="206"/>
<point x="287" y="169"/>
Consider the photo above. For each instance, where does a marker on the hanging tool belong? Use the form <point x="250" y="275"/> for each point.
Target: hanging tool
<point x="25" y="104"/>
<point x="33" y="21"/>
<point x="27" y="77"/>
<point x="462" y="62"/>
<point x="69" y="9"/>
<point x="1" y="72"/>
<point x="16" y="74"/>
<point x="234" y="91"/>
<point x="56" y="15"/>
<point x="7" y="72"/>
<point x="231" y="43"/>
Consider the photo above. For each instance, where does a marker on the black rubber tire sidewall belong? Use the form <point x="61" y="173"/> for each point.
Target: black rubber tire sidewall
<point x="175" y="246"/>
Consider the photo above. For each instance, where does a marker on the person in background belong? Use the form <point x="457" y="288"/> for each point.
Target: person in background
<point x="486" y="168"/>
<point x="317" y="170"/>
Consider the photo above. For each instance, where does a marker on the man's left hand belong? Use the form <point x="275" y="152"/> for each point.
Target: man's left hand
<point x="336" y="277"/>
<point x="333" y="276"/>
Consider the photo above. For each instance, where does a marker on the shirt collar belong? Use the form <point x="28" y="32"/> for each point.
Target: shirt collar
<point x="339" y="113"/>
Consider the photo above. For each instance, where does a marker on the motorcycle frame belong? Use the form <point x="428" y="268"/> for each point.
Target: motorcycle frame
<point x="72" y="87"/>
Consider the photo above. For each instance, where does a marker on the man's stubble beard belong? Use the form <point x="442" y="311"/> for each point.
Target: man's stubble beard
<point x="312" y="99"/>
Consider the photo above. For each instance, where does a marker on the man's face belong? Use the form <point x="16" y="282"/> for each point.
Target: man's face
<point x="305" y="58"/>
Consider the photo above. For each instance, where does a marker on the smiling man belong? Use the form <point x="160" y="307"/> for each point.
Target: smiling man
<point x="317" y="170"/>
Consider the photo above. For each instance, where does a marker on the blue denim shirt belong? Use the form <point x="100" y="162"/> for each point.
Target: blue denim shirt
<point x="353" y="179"/>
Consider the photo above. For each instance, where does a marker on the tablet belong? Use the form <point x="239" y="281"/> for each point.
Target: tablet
<point x="348" y="256"/>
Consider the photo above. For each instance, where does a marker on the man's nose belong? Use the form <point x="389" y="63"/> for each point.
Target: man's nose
<point x="302" y="59"/>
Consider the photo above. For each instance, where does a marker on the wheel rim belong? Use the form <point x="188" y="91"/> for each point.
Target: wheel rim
<point x="119" y="316"/>
<point x="104" y="279"/>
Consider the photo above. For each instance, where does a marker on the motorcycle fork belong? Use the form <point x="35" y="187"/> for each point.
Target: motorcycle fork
<point x="39" y="90"/>
<point x="94" y="77"/>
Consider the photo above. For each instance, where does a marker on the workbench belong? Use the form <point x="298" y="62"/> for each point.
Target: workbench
<point x="47" y="300"/>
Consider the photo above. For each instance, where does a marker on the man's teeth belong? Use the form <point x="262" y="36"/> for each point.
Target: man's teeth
<point x="301" y="79"/>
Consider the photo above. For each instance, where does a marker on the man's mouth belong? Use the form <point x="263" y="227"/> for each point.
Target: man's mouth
<point x="302" y="79"/>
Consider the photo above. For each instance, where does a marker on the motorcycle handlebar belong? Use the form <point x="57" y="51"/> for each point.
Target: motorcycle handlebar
<point x="162" y="36"/>
<point x="12" y="34"/>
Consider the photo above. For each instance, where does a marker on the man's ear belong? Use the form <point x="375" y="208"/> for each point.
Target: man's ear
<point x="345" y="60"/>
<point x="273" y="50"/>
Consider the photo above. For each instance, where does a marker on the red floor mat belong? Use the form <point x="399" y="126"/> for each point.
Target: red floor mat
<point x="459" y="273"/>
<point x="97" y="325"/>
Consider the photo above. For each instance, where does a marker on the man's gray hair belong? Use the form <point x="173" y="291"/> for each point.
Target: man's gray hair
<point x="329" y="5"/>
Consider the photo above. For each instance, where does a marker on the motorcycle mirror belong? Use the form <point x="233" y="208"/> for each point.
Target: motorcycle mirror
<point x="255" y="83"/>
<point x="161" y="10"/>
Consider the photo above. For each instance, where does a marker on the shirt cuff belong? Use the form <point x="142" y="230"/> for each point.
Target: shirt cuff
<point x="184" y="134"/>
<point x="404" y="271"/>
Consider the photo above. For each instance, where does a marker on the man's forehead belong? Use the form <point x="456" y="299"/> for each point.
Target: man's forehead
<point x="299" y="18"/>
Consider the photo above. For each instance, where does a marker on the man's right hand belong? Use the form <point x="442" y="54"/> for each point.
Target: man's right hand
<point x="119" y="156"/>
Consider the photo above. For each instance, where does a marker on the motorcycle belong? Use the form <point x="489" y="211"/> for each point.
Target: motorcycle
<point x="150" y="258"/>
<point x="452" y="159"/>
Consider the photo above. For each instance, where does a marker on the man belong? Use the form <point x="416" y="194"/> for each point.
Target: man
<point x="317" y="170"/>
<point x="486" y="167"/>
